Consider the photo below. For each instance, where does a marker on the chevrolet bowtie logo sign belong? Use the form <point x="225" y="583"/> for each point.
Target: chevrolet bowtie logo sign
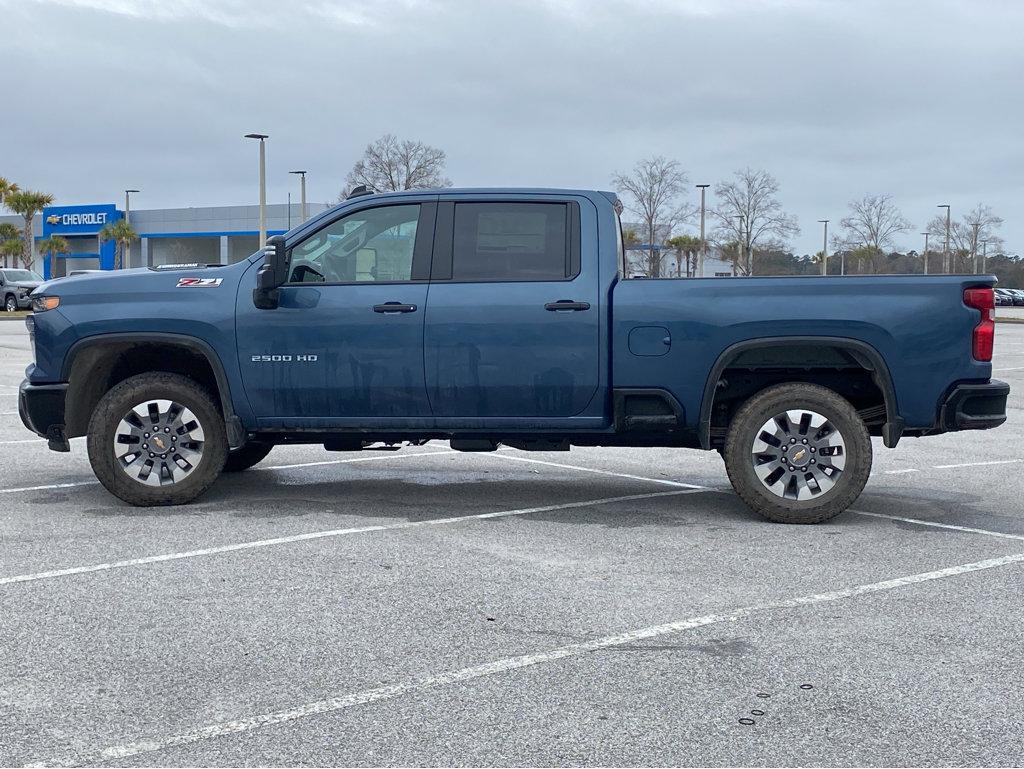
<point x="53" y="219"/>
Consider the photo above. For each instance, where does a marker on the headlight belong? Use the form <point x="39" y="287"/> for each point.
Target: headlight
<point x="44" y="303"/>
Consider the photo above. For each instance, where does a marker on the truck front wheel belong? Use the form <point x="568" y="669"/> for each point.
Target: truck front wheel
<point x="157" y="439"/>
<point x="798" y="453"/>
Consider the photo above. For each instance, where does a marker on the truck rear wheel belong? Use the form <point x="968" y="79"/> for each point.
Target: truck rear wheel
<point x="248" y="455"/>
<point x="157" y="439"/>
<point x="798" y="453"/>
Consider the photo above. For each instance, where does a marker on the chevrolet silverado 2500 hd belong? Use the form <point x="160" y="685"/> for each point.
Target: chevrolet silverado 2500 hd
<point x="501" y="316"/>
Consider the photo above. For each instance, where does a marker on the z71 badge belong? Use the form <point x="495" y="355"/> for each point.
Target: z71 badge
<point x="199" y="282"/>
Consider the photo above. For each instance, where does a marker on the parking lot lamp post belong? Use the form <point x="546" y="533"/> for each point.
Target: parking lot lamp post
<point x="703" y="243"/>
<point x="263" y="186"/>
<point x="127" y="220"/>
<point x="974" y="247"/>
<point x="945" y="248"/>
<point x="302" y="176"/>
<point x="925" y="252"/>
<point x="739" y="245"/>
<point x="984" y="255"/>
<point x="824" y="248"/>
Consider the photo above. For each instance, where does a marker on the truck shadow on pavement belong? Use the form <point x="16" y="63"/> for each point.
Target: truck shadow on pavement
<point x="399" y="499"/>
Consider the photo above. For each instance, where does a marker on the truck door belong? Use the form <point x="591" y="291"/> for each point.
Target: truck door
<point x="346" y="342"/>
<point x="512" y="325"/>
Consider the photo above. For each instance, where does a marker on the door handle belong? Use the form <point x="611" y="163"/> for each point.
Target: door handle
<point x="390" y="307"/>
<point x="567" y="304"/>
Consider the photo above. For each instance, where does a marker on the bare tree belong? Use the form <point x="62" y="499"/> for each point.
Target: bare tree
<point x="749" y="214"/>
<point x="390" y="164"/>
<point x="654" y="188"/>
<point x="871" y="227"/>
<point x="965" y="238"/>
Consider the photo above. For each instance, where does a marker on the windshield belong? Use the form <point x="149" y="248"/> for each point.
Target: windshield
<point x="18" y="275"/>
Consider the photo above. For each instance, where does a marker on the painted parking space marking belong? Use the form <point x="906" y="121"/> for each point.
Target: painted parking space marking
<point x="49" y="486"/>
<point x="118" y="753"/>
<point x="663" y="481"/>
<point x="313" y="535"/>
<point x="978" y="464"/>
<point x="937" y="525"/>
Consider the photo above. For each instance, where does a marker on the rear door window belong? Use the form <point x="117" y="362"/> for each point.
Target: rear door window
<point x="511" y="242"/>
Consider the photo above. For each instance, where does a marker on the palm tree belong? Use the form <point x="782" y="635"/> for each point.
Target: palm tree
<point x="6" y="188"/>
<point x="55" y="244"/>
<point x="27" y="204"/>
<point x="9" y="233"/>
<point x="122" y="234"/>
<point x="685" y="246"/>
<point x="11" y="248"/>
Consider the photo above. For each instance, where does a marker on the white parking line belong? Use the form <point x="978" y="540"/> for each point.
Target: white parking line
<point x="40" y="441"/>
<point x="506" y="455"/>
<point x="327" y="462"/>
<point x="49" y="486"/>
<point x="978" y="464"/>
<point x="1012" y="368"/>
<point x="261" y="543"/>
<point x="271" y="467"/>
<point x="118" y="753"/>
<point x="935" y="524"/>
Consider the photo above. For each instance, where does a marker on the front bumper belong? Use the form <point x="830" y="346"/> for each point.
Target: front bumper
<point x="41" y="408"/>
<point x="974" y="406"/>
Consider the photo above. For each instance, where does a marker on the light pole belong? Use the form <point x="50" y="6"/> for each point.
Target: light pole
<point x="127" y="220"/>
<point x="984" y="255"/>
<point x="945" y="248"/>
<point x="925" y="252"/>
<point x="302" y="175"/>
<point x="263" y="186"/>
<point x="739" y="246"/>
<point x="703" y="243"/>
<point x="824" y="248"/>
<point x="974" y="247"/>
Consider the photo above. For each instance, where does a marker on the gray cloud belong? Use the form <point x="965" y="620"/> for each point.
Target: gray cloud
<point x="837" y="99"/>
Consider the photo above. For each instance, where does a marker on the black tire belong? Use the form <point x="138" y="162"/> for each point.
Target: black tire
<point x="250" y="454"/>
<point x="133" y="391"/>
<point x="10" y="303"/>
<point x="746" y="427"/>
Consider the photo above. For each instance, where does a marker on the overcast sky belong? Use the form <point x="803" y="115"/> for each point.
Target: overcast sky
<point x="921" y="100"/>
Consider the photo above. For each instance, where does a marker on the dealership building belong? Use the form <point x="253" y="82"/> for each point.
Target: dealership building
<point x="218" y="234"/>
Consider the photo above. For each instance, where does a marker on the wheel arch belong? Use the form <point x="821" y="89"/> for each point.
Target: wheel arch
<point x="100" y="354"/>
<point x="867" y="356"/>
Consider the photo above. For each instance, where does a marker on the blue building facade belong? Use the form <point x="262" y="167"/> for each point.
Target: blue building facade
<point x="210" y="235"/>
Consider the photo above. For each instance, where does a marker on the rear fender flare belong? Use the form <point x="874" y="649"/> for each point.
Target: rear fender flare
<point x="865" y="354"/>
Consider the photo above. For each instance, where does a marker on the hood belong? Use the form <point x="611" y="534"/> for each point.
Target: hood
<point x="29" y="284"/>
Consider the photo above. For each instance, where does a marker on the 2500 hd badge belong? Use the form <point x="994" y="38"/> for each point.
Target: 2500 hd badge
<point x="283" y="358"/>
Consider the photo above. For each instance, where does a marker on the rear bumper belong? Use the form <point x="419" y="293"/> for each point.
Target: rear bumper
<point x="974" y="406"/>
<point x="41" y="408"/>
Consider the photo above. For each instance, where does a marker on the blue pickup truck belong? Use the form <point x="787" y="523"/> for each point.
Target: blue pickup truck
<point x="500" y="316"/>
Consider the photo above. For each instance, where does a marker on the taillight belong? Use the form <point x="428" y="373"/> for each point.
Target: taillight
<point x="983" y="299"/>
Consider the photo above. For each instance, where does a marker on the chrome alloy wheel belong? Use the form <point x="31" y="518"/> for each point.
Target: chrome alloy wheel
<point x="798" y="454"/>
<point x="159" y="443"/>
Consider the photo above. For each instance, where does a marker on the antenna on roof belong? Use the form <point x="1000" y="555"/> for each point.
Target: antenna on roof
<point x="362" y="189"/>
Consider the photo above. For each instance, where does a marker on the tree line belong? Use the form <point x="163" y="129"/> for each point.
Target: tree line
<point x="748" y="227"/>
<point x="751" y="231"/>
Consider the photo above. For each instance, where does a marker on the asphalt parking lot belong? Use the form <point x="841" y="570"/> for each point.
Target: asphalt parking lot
<point x="426" y="607"/>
